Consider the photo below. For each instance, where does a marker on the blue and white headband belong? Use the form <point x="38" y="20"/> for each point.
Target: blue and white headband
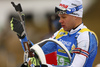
<point x="71" y="7"/>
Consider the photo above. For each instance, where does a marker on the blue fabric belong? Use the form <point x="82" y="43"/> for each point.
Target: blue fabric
<point x="74" y="9"/>
<point x="92" y="50"/>
<point x="25" y="40"/>
<point x="68" y="40"/>
<point x="49" y="47"/>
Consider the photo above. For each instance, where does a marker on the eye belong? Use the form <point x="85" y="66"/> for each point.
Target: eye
<point x="63" y="16"/>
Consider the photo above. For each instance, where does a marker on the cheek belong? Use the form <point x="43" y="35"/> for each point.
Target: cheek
<point x="67" y="21"/>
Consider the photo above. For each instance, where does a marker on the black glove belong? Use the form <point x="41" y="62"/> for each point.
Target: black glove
<point x="17" y="27"/>
<point x="25" y="64"/>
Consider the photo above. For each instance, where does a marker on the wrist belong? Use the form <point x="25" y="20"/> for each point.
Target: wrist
<point x="21" y="37"/>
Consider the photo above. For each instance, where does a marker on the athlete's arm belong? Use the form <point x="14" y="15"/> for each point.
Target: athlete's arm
<point x="83" y="46"/>
<point x="80" y="59"/>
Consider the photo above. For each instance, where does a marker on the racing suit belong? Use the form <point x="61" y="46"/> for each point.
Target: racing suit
<point x="81" y="43"/>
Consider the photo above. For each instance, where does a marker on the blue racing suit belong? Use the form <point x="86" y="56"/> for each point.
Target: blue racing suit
<point x="81" y="42"/>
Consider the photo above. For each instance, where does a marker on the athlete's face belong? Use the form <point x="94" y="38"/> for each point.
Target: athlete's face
<point x="67" y="21"/>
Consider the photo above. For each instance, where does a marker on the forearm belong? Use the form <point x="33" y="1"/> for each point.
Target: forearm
<point x="25" y="40"/>
<point x="81" y="54"/>
<point x="78" y="61"/>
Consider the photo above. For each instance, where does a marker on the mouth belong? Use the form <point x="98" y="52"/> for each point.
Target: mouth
<point x="62" y="25"/>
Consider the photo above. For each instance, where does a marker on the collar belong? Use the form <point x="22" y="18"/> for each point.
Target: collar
<point x="81" y="26"/>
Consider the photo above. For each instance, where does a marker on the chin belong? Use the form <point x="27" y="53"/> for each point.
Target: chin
<point x="66" y="29"/>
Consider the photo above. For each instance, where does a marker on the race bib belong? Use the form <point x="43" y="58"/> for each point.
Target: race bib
<point x="61" y="60"/>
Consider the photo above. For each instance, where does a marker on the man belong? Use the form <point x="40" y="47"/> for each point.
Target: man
<point x="78" y="39"/>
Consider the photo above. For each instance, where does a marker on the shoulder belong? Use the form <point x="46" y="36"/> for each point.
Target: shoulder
<point x="55" y="34"/>
<point x="83" y="36"/>
<point x="85" y="33"/>
<point x="60" y="33"/>
<point x="83" y="40"/>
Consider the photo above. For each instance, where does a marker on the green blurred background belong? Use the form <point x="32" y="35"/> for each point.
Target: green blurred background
<point x="39" y="25"/>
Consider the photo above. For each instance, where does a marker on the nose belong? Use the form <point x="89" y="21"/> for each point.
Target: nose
<point x="60" y="21"/>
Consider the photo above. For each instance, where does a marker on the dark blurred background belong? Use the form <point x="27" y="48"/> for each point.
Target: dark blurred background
<point x="41" y="22"/>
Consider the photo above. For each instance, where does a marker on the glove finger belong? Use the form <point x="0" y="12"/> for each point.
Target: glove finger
<point x="15" y="24"/>
<point x="11" y="24"/>
<point x="18" y="28"/>
<point x="15" y="21"/>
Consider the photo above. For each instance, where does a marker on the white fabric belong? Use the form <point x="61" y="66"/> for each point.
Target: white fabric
<point x="84" y="45"/>
<point x="75" y="30"/>
<point x="49" y="65"/>
<point x="78" y="58"/>
<point x="72" y="4"/>
<point x="83" y="41"/>
<point x="83" y="38"/>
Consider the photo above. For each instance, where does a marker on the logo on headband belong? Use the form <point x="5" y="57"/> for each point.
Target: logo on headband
<point x="63" y="5"/>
